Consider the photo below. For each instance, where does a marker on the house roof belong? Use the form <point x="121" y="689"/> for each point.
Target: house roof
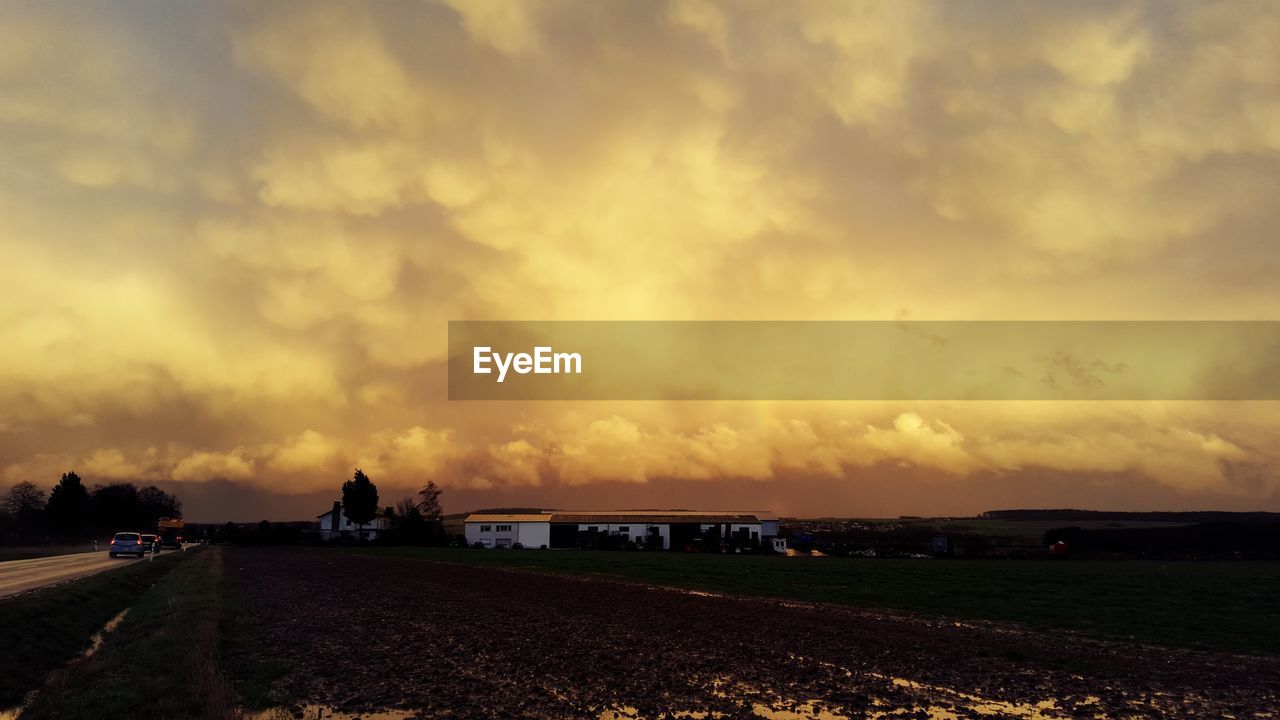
<point x="382" y="512"/>
<point x="655" y="517"/>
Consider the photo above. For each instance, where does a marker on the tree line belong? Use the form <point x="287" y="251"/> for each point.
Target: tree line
<point x="72" y="512"/>
<point x="413" y="520"/>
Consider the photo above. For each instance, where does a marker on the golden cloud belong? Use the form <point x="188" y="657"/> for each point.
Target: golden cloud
<point x="231" y="253"/>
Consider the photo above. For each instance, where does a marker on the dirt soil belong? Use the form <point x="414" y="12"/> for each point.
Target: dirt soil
<point x="364" y="633"/>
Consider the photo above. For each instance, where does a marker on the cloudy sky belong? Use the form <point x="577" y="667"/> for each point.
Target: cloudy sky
<point x="231" y="236"/>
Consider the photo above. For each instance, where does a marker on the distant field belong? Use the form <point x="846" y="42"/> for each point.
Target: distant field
<point x="1214" y="605"/>
<point x="1028" y="531"/>
<point x="1035" y="529"/>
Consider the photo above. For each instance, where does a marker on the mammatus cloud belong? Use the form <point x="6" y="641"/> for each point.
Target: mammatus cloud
<point x="233" y="235"/>
<point x="1158" y="448"/>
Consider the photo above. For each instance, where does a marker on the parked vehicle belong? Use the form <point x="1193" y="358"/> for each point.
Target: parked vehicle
<point x="127" y="543"/>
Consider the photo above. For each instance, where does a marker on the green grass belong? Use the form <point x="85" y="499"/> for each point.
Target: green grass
<point x="42" y="630"/>
<point x="162" y="662"/>
<point x="1233" y="606"/>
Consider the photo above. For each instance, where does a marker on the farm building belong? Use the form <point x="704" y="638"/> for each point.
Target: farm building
<point x="669" y="529"/>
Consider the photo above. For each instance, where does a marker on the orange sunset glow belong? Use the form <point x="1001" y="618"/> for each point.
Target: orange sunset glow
<point x="232" y="237"/>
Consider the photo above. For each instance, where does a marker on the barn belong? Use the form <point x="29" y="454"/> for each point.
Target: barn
<point x="669" y="529"/>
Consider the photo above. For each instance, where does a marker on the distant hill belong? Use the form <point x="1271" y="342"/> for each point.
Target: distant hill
<point x="1252" y="540"/>
<point x="1189" y="516"/>
<point x="526" y="511"/>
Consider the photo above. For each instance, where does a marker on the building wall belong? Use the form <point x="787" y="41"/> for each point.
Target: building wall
<point x="735" y="527"/>
<point x="370" y="533"/>
<point x="346" y="528"/>
<point x="530" y="534"/>
<point x="633" y="530"/>
<point x="536" y="534"/>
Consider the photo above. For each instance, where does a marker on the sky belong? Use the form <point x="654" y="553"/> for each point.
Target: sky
<point x="232" y="235"/>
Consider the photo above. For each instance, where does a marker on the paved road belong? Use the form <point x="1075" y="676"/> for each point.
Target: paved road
<point x="19" y="575"/>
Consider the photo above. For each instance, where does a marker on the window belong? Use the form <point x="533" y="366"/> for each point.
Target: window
<point x="486" y="528"/>
<point x="624" y="528"/>
<point x="504" y="528"/>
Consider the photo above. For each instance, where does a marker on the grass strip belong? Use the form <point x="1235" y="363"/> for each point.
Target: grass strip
<point x="44" y="629"/>
<point x="162" y="662"/>
<point x="1229" y="606"/>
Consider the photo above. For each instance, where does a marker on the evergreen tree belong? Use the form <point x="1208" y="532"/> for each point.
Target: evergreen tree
<point x="360" y="500"/>
<point x="68" y="508"/>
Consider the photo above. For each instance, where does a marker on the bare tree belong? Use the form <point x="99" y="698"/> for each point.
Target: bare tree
<point x="407" y="507"/>
<point x="25" y="505"/>
<point x="432" y="510"/>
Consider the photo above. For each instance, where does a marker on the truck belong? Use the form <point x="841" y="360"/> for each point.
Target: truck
<point x="170" y="531"/>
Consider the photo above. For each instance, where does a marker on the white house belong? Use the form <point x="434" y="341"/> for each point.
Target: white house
<point x="335" y="524"/>
<point x="673" y="529"/>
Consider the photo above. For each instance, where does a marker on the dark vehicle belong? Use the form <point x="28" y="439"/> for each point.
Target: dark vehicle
<point x="127" y="543"/>
<point x="170" y="530"/>
<point x="152" y="542"/>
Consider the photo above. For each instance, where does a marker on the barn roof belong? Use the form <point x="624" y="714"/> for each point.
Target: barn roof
<point x="508" y="517"/>
<point x="653" y="517"/>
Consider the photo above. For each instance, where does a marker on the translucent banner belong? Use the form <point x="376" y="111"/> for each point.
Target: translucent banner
<point x="864" y="360"/>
